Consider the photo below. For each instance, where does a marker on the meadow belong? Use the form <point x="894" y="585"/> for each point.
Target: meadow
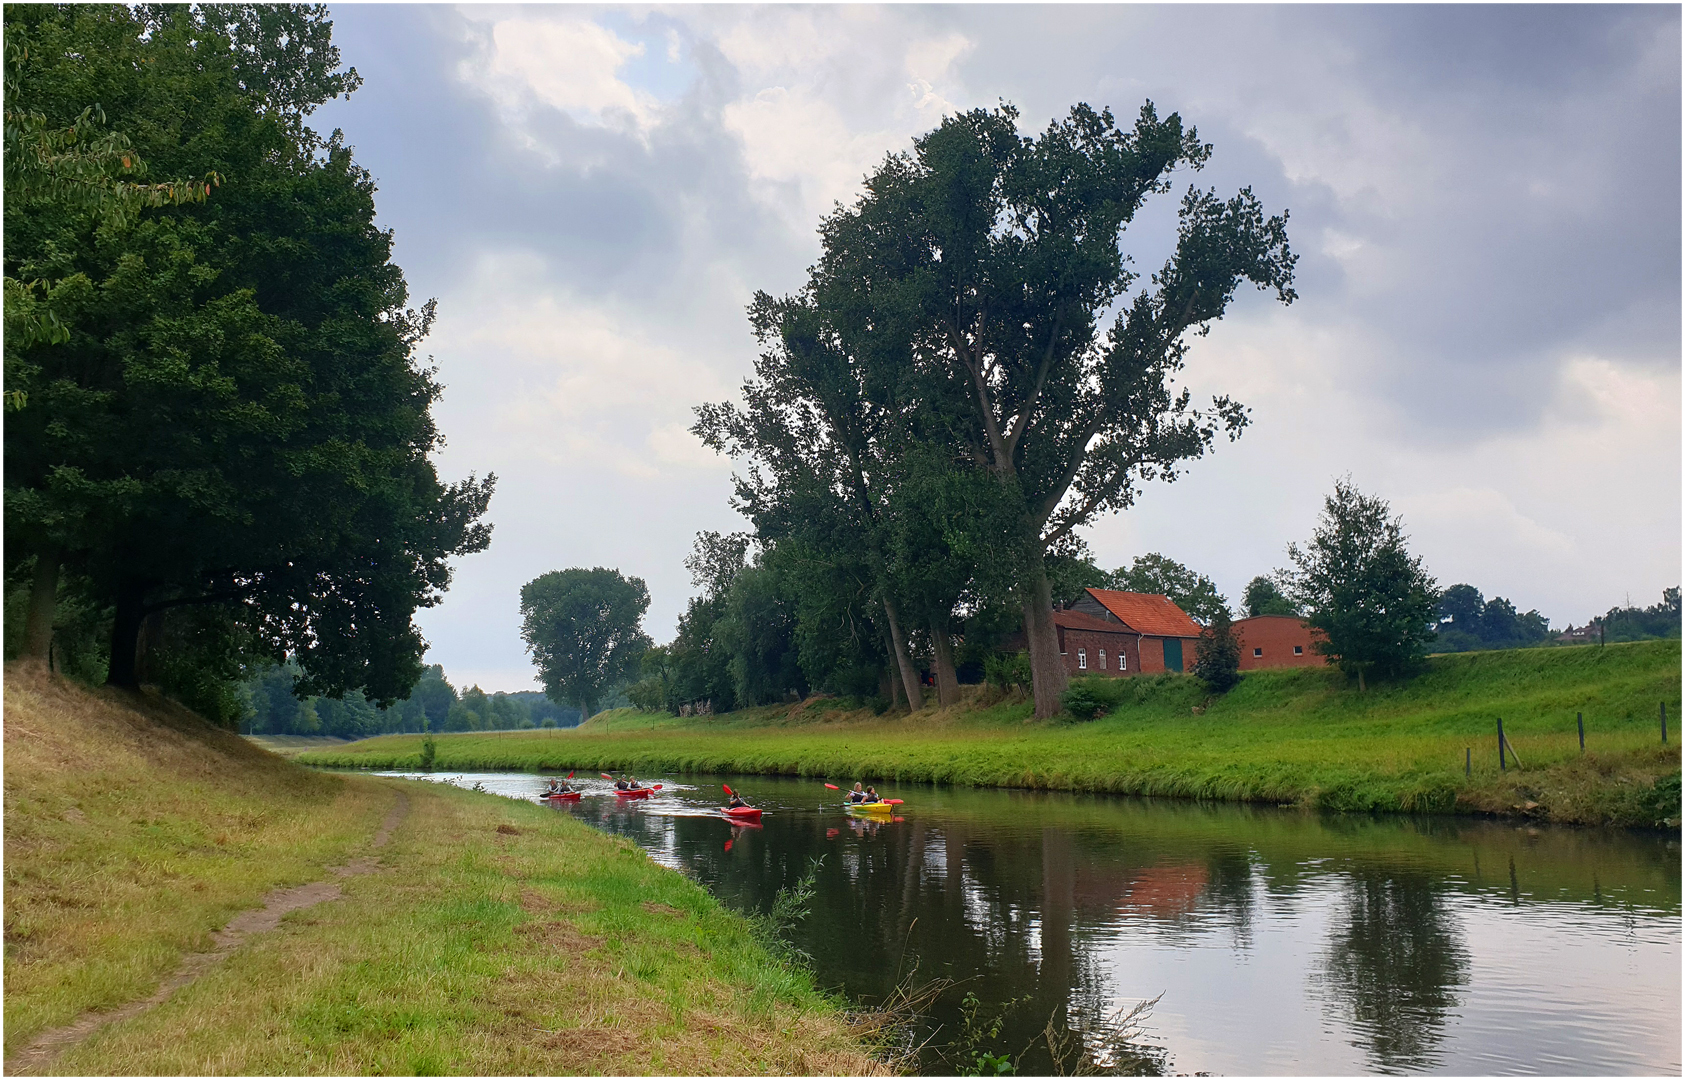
<point x="1302" y="736"/>
<point x="489" y="937"/>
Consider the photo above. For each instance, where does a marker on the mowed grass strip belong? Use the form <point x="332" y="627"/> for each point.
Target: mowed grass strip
<point x="501" y="938"/>
<point x="1302" y="736"/>
<point x="134" y="831"/>
<point x="496" y="936"/>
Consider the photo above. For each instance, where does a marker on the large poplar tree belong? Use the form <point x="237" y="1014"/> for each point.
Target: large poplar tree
<point x="976" y="298"/>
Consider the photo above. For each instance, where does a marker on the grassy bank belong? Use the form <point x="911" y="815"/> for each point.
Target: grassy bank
<point x="497" y="937"/>
<point x="1293" y="736"/>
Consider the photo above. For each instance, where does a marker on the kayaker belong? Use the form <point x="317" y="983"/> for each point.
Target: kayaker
<point x="856" y="795"/>
<point x="560" y="787"/>
<point x="737" y="802"/>
<point x="871" y="795"/>
<point x="554" y="790"/>
<point x="621" y="784"/>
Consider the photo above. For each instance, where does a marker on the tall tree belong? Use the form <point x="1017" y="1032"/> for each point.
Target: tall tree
<point x="583" y="630"/>
<point x="1358" y="583"/>
<point x="1193" y="592"/>
<point x="235" y="418"/>
<point x="988" y="263"/>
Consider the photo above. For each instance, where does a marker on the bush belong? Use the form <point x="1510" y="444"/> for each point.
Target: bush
<point x="1217" y="663"/>
<point x="1092" y="698"/>
<point x="1006" y="670"/>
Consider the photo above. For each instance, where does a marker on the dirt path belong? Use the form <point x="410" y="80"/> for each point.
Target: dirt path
<point x="46" y="1047"/>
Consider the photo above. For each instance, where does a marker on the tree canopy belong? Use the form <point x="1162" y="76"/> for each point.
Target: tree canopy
<point x="975" y="302"/>
<point x="1358" y="583"/>
<point x="583" y="630"/>
<point x="1264" y="597"/>
<point x="234" y="417"/>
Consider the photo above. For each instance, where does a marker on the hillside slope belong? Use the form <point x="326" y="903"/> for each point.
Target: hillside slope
<point x="135" y="831"/>
<point x="1299" y="736"/>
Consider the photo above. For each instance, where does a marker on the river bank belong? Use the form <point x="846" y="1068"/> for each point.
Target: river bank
<point x="1301" y="737"/>
<point x="149" y="855"/>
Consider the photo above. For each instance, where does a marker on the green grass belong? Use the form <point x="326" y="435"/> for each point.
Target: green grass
<point x="1301" y="736"/>
<point x="499" y="937"/>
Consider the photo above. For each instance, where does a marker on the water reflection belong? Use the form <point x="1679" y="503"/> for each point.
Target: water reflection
<point x="1275" y="942"/>
<point x="1394" y="963"/>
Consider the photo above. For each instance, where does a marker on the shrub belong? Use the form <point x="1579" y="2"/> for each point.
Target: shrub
<point x="1006" y="670"/>
<point x="1094" y="697"/>
<point x="1217" y="663"/>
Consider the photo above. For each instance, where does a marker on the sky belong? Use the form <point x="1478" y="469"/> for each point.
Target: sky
<point x="1485" y="202"/>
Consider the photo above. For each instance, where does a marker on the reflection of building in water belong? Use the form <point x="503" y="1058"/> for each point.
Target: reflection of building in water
<point x="1166" y="891"/>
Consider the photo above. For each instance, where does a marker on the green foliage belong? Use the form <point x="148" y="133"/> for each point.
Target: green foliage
<point x="1217" y="656"/>
<point x="229" y="414"/>
<point x="1469" y="621"/>
<point x="758" y="631"/>
<point x="1093" y="696"/>
<point x="1194" y="593"/>
<point x="972" y="1048"/>
<point x="1264" y="597"/>
<point x="776" y="926"/>
<point x="1007" y="670"/>
<point x="1374" y="603"/>
<point x="582" y="628"/>
<point x="1643" y="624"/>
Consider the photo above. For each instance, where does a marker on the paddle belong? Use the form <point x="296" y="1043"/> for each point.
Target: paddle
<point x="605" y="776"/>
<point x="570" y="776"/>
<point x="833" y="787"/>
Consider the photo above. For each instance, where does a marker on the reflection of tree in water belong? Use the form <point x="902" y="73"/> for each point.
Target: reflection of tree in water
<point x="1394" y="968"/>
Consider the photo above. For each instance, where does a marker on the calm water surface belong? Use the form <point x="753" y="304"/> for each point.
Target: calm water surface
<point x="1275" y="941"/>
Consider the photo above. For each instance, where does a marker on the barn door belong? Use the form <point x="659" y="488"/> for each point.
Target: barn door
<point x="1173" y="654"/>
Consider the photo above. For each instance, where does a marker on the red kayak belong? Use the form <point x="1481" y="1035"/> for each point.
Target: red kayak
<point x="634" y="793"/>
<point x="746" y="813"/>
<point x="565" y="796"/>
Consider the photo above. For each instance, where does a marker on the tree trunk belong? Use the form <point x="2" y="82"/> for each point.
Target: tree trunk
<point x="1360" y="687"/>
<point x="892" y="689"/>
<point x="942" y="661"/>
<point x="1047" y="669"/>
<point x="43" y="602"/>
<point x="146" y="647"/>
<point x="125" y="637"/>
<point x="909" y="674"/>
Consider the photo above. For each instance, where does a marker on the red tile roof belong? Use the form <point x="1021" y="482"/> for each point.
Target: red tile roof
<point x="1147" y="613"/>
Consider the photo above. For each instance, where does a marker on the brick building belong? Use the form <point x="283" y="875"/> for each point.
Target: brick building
<point x="1142" y="633"/>
<point x="1272" y="641"/>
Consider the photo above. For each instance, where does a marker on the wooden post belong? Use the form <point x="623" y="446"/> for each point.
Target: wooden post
<point x="1664" y="723"/>
<point x="1468" y="761"/>
<point x="1502" y="765"/>
<point x="1580" y="718"/>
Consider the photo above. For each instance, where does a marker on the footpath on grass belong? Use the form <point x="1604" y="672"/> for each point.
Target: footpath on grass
<point x="180" y="901"/>
<point x="1304" y="737"/>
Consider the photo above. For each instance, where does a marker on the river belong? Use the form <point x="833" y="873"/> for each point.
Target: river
<point x="1268" y="941"/>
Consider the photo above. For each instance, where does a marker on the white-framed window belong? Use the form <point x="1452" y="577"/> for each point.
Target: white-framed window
<point x="1082" y="659"/>
<point x="1298" y="650"/>
<point x="1102" y="659"/>
<point x="1257" y="652"/>
<point x="1123" y="661"/>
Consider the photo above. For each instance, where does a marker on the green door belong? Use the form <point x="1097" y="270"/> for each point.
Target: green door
<point x="1173" y="654"/>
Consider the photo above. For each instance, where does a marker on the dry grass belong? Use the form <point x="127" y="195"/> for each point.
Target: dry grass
<point x="496" y="937"/>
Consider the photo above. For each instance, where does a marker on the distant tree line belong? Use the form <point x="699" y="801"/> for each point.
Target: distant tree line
<point x="273" y="707"/>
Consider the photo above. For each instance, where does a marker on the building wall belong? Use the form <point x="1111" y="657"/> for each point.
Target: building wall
<point x="1093" y="641"/>
<point x="1276" y="636"/>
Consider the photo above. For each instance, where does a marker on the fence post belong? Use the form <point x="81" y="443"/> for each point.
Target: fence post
<point x="1468" y="761"/>
<point x="1580" y="718"/>
<point x="1502" y="765"/>
<point x="1664" y="723"/>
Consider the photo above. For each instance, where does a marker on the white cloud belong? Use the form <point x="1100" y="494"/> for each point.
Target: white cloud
<point x="569" y="63"/>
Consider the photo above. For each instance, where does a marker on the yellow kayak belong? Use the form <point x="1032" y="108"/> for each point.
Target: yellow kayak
<point x="882" y="808"/>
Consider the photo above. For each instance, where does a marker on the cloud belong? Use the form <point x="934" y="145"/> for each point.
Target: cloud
<point x="567" y="63"/>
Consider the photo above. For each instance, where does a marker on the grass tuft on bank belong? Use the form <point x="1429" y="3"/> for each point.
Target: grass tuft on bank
<point x="1301" y="736"/>
<point x="498" y="937"/>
